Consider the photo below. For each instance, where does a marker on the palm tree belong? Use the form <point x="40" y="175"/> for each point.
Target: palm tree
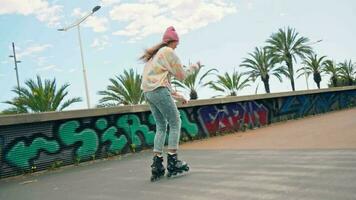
<point x="313" y="65"/>
<point x="347" y="71"/>
<point x="331" y="69"/>
<point x="14" y="110"/>
<point x="261" y="64"/>
<point x="192" y="83"/>
<point x="40" y="97"/>
<point x="125" y="89"/>
<point x="229" y="85"/>
<point x="286" y="46"/>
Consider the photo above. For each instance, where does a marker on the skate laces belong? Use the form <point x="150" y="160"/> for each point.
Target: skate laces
<point x="173" y="160"/>
<point x="157" y="160"/>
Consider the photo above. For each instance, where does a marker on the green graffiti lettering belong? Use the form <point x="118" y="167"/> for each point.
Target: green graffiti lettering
<point x="87" y="138"/>
<point x="190" y="128"/>
<point x="20" y="154"/>
<point x="123" y="122"/>
<point x="135" y="127"/>
<point x="101" y="124"/>
<point x="117" y="144"/>
<point x="151" y="119"/>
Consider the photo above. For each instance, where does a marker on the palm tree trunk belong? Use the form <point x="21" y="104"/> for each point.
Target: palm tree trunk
<point x="291" y="72"/>
<point x="292" y="83"/>
<point x="318" y="84"/>
<point x="350" y="82"/>
<point x="193" y="95"/>
<point x="334" y="81"/>
<point x="317" y="79"/>
<point x="266" y="84"/>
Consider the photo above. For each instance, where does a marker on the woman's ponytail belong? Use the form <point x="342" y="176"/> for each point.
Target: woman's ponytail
<point x="150" y="52"/>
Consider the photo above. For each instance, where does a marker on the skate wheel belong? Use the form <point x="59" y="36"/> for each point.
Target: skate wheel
<point x="155" y="178"/>
<point x="171" y="174"/>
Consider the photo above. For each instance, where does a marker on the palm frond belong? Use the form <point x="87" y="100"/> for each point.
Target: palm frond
<point x="124" y="89"/>
<point x="41" y="96"/>
<point x="286" y="45"/>
<point x="229" y="84"/>
<point x="261" y="64"/>
<point x="194" y="80"/>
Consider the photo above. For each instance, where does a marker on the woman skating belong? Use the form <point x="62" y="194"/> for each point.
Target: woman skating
<point x="161" y="64"/>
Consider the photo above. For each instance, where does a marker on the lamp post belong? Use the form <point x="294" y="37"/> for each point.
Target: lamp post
<point x="15" y="61"/>
<point x="305" y="70"/>
<point x="77" y="24"/>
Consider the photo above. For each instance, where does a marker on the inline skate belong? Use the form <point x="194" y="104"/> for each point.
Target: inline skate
<point x="157" y="168"/>
<point x="175" y="166"/>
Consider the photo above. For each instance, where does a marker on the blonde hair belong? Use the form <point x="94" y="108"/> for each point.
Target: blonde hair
<point x="150" y="52"/>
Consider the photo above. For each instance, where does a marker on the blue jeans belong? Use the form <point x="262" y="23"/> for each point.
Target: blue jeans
<point x="164" y="110"/>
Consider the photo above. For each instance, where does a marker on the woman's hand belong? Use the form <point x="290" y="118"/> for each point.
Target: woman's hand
<point x="179" y="97"/>
<point x="185" y="101"/>
<point x="196" y="66"/>
<point x="199" y="65"/>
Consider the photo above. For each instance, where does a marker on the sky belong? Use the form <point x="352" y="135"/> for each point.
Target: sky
<point x="218" y="33"/>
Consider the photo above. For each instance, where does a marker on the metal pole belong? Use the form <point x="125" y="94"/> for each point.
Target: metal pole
<point x="306" y="77"/>
<point x="77" y="23"/>
<point x="17" y="73"/>
<point x="84" y="70"/>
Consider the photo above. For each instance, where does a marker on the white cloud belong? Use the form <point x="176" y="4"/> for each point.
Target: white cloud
<point x="33" y="50"/>
<point x="78" y="12"/>
<point x="48" y="68"/>
<point x="250" y="5"/>
<point x="29" y="41"/>
<point x="98" y="24"/>
<point x="71" y="70"/>
<point x="44" y="12"/>
<point x="149" y="17"/>
<point x="41" y="61"/>
<point x="109" y="2"/>
<point x="100" y="43"/>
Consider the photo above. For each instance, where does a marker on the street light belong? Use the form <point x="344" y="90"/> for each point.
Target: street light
<point x="305" y="70"/>
<point x="77" y="24"/>
<point x="15" y="61"/>
<point x="316" y="42"/>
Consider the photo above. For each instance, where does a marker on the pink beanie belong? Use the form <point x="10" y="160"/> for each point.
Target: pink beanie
<point x="170" y="35"/>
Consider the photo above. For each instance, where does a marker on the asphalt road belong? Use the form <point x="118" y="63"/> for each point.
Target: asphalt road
<point x="216" y="173"/>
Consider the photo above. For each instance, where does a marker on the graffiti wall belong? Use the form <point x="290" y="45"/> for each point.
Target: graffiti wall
<point x="44" y="145"/>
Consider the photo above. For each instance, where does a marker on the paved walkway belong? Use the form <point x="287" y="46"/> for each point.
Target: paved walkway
<point x="312" y="158"/>
<point x="336" y="130"/>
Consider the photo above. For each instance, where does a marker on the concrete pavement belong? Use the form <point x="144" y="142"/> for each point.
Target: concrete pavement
<point x="335" y="130"/>
<point x="253" y="172"/>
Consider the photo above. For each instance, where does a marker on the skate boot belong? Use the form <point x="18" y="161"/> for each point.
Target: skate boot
<point x="157" y="168"/>
<point x="175" y="166"/>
